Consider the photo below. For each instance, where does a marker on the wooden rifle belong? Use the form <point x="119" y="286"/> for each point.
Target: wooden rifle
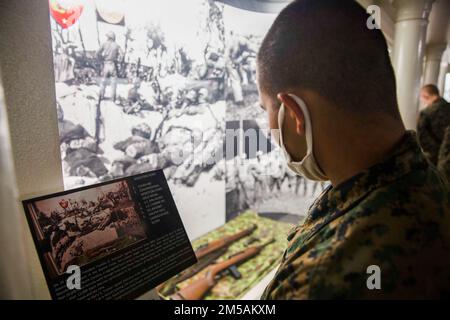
<point x="198" y="288"/>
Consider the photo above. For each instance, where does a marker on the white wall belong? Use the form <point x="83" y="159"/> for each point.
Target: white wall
<point x="27" y="76"/>
<point x="15" y="281"/>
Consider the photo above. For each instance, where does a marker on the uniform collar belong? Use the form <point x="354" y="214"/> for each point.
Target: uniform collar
<point x="439" y="101"/>
<point x="334" y="202"/>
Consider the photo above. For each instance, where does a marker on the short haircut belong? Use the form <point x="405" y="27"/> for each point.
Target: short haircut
<point x="431" y="89"/>
<point x="325" y="46"/>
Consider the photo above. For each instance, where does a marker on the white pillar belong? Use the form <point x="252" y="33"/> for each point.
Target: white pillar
<point x="410" y="32"/>
<point x="443" y="70"/>
<point x="433" y="63"/>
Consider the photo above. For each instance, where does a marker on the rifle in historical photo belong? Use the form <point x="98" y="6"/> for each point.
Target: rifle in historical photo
<point x="198" y="288"/>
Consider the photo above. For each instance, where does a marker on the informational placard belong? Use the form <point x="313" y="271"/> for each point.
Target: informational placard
<point x="113" y="240"/>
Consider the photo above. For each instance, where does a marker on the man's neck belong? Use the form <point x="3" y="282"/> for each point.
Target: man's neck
<point x="351" y="153"/>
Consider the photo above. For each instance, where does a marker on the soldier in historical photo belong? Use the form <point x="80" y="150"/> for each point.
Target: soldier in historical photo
<point x="109" y="55"/>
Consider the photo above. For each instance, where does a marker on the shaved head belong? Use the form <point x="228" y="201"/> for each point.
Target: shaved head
<point x="429" y="94"/>
<point x="325" y="46"/>
<point x="431" y="89"/>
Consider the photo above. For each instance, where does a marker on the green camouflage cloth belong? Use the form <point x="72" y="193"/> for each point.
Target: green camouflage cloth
<point x="253" y="270"/>
<point x="395" y="215"/>
<point x="444" y="155"/>
<point x="433" y="121"/>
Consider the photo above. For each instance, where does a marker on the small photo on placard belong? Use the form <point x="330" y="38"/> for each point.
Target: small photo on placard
<point x="124" y="237"/>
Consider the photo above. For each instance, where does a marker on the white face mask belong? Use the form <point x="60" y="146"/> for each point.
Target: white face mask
<point x="308" y="166"/>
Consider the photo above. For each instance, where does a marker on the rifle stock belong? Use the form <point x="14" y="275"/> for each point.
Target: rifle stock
<point x="198" y="288"/>
<point x="206" y="255"/>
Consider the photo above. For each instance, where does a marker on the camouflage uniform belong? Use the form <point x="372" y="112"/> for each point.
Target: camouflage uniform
<point x="433" y="121"/>
<point x="443" y="164"/>
<point x="395" y="215"/>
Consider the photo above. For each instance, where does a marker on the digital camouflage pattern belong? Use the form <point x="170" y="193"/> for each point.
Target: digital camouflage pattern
<point x="395" y="215"/>
<point x="444" y="155"/>
<point x="433" y="121"/>
<point x="253" y="270"/>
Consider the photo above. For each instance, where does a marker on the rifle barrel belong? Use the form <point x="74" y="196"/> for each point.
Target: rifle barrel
<point x="223" y="242"/>
<point x="198" y="288"/>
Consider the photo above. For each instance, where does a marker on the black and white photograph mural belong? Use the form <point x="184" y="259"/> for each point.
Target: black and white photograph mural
<point x="257" y="177"/>
<point x="161" y="84"/>
<point x="149" y="81"/>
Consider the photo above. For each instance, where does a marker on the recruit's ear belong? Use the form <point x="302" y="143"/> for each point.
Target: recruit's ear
<point x="294" y="111"/>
